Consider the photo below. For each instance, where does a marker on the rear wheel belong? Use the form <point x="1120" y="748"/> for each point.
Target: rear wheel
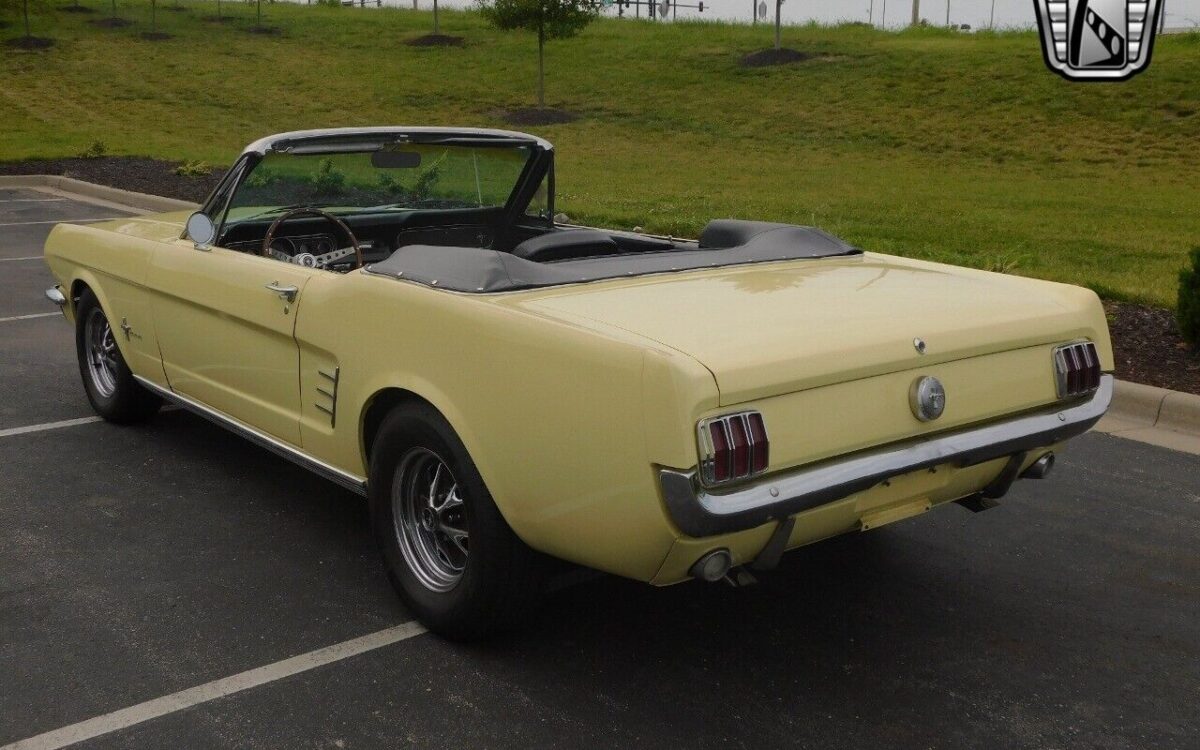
<point x="107" y="380"/>
<point x="449" y="552"/>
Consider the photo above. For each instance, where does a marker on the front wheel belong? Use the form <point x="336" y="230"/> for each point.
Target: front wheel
<point x="449" y="552"/>
<point x="107" y="380"/>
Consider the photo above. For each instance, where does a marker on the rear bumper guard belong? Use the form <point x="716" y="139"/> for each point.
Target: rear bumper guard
<point x="701" y="512"/>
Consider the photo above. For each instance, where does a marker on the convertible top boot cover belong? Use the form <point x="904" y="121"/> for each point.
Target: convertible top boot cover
<point x="481" y="270"/>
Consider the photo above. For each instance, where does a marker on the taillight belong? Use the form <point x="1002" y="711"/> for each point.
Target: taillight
<point x="733" y="447"/>
<point x="1076" y="369"/>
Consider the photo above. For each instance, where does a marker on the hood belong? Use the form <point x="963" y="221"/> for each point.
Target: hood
<point x="775" y="328"/>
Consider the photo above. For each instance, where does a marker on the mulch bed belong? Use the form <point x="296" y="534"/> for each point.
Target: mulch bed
<point x="766" y="57"/>
<point x="537" y="116"/>
<point x="111" y="23"/>
<point x="29" y="42"/>
<point x="1146" y="340"/>
<point x="1149" y="349"/>
<point x="435" y="40"/>
<point x="153" y="176"/>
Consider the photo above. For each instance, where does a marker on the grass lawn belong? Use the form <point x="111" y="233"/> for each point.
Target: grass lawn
<point x="960" y="148"/>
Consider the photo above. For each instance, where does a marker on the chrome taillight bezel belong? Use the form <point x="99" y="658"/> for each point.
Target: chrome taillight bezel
<point x="758" y="451"/>
<point x="1076" y="369"/>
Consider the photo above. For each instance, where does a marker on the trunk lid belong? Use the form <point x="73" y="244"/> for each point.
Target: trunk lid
<point x="775" y="328"/>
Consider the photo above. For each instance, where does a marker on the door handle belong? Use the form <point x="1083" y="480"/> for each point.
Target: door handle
<point x="285" y="292"/>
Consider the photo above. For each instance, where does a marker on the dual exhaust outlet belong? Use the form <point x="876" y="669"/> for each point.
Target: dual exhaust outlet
<point x="717" y="565"/>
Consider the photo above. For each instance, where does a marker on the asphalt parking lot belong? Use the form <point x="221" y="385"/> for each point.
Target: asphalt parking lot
<point x="139" y="562"/>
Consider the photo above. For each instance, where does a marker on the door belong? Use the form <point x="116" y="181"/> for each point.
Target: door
<point x="226" y="329"/>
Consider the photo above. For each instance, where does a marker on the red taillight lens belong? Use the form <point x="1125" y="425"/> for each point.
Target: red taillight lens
<point x="733" y="447"/>
<point x="741" y="447"/>
<point x="758" y="438"/>
<point x="1077" y="368"/>
<point x="720" y="454"/>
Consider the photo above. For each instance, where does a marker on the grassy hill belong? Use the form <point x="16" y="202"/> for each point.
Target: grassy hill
<point x="961" y="148"/>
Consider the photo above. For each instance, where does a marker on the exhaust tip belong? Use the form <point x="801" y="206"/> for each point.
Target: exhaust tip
<point x="1041" y="468"/>
<point x="713" y="566"/>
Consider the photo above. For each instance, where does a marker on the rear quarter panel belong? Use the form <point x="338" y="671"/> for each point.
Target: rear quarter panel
<point x="552" y="414"/>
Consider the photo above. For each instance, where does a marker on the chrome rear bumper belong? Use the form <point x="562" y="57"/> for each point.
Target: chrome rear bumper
<point x="700" y="512"/>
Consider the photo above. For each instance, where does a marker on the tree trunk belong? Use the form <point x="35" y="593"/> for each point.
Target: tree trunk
<point x="541" y="63"/>
<point x="153" y="16"/>
<point x="437" y="29"/>
<point x="25" y="10"/>
<point x="778" y="8"/>
<point x="259" y="5"/>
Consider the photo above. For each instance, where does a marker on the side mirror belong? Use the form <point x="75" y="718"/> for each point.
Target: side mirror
<point x="201" y="230"/>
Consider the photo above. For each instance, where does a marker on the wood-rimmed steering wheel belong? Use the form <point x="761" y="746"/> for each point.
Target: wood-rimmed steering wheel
<point x="308" y="260"/>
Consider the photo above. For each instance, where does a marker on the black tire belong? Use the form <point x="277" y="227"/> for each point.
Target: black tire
<point x="109" y="384"/>
<point x="501" y="577"/>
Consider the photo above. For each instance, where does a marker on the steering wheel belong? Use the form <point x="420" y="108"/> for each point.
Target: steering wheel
<point x="308" y="260"/>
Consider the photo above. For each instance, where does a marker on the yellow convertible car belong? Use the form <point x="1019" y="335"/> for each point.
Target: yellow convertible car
<point x="397" y="310"/>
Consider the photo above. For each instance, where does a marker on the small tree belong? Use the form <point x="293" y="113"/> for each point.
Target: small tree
<point x="21" y="6"/>
<point x="437" y="28"/>
<point x="551" y="19"/>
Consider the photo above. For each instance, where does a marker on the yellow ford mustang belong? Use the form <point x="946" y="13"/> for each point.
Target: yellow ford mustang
<point x="396" y="309"/>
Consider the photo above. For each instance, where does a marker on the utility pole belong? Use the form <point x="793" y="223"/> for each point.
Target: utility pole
<point x="778" y="6"/>
<point x="1162" y="16"/>
<point x="871" y="13"/>
<point x="947" y="13"/>
<point x="992" y="21"/>
<point x="883" y="15"/>
<point x="916" y="16"/>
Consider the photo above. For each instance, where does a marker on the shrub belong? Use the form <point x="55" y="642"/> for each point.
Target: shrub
<point x="193" y="169"/>
<point x="1188" y="308"/>
<point x="94" y="151"/>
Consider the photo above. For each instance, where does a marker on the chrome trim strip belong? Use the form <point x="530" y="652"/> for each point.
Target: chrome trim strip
<point x="261" y="439"/>
<point x="699" y="511"/>
<point x="55" y="295"/>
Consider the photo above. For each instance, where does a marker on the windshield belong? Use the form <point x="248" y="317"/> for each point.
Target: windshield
<point x="395" y="178"/>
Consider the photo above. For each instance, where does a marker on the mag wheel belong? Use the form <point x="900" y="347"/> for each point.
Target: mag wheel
<point x="449" y="552"/>
<point x="107" y="380"/>
<point x="430" y="520"/>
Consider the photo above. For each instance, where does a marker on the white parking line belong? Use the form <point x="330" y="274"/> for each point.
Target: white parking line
<point x="30" y="200"/>
<point x="27" y="257"/>
<point x="11" y="431"/>
<point x="168" y="704"/>
<point x="28" y="317"/>
<point x="61" y="221"/>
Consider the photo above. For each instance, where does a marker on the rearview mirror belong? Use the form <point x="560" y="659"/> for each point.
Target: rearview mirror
<point x="200" y="230"/>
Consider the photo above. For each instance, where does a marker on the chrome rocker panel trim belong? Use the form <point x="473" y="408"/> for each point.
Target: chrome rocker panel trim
<point x="699" y="512"/>
<point x="261" y="439"/>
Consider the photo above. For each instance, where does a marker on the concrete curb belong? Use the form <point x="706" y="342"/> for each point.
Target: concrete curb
<point x="1148" y="406"/>
<point x="142" y="201"/>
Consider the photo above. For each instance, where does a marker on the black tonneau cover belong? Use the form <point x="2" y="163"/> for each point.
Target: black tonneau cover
<point x="466" y="269"/>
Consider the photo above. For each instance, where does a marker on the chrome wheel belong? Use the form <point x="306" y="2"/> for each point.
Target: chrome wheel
<point x="430" y="519"/>
<point x="100" y="350"/>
